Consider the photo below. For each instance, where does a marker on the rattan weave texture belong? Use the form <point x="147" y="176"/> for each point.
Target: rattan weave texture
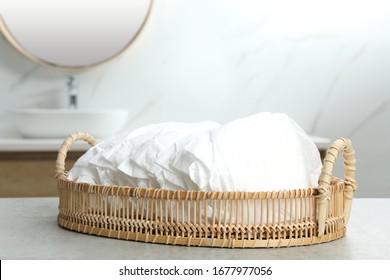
<point x="214" y="219"/>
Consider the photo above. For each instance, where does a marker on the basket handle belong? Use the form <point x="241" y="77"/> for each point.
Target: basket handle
<point x="65" y="147"/>
<point x="340" y="145"/>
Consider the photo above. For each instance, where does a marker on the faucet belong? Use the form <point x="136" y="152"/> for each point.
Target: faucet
<point x="72" y="90"/>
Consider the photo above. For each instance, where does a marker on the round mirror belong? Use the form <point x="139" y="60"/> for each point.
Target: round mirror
<point x="73" y="34"/>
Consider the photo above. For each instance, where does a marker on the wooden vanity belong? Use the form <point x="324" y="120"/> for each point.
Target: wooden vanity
<point x="30" y="174"/>
<point x="27" y="166"/>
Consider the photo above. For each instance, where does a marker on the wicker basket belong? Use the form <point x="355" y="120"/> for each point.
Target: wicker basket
<point x="215" y="219"/>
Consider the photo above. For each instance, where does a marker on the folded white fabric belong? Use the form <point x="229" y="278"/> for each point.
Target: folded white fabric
<point x="128" y="159"/>
<point x="141" y="163"/>
<point x="262" y="152"/>
<point x="99" y="164"/>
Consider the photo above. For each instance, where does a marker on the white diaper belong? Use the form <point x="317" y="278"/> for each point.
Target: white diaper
<point x="262" y="152"/>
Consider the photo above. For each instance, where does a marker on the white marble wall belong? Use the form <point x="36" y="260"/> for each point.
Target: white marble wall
<point x="324" y="63"/>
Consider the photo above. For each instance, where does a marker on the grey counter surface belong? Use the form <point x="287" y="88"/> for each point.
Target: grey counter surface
<point x="29" y="230"/>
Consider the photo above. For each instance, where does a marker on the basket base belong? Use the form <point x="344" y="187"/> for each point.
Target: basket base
<point x="202" y="242"/>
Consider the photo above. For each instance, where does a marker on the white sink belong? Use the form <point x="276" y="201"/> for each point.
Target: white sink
<point x="59" y="123"/>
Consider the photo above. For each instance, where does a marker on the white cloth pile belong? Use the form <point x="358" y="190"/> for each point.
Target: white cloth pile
<point x="262" y="152"/>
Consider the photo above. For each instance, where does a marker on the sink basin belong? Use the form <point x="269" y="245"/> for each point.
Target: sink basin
<point x="59" y="123"/>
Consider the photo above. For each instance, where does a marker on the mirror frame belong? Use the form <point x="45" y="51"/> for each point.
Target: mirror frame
<point x="7" y="34"/>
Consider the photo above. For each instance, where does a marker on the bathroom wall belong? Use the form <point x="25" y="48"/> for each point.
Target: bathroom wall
<point x="324" y="63"/>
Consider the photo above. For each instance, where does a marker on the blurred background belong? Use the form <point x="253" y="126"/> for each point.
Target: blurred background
<point x="324" y="63"/>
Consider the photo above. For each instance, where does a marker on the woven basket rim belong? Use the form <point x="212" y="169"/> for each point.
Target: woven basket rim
<point x="328" y="206"/>
<point x="130" y="191"/>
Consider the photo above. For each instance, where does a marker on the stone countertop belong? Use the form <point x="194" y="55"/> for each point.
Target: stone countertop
<point x="33" y="145"/>
<point x="29" y="230"/>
